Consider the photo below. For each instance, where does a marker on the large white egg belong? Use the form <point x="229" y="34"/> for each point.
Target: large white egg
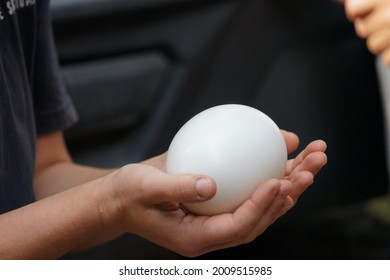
<point x="237" y="145"/>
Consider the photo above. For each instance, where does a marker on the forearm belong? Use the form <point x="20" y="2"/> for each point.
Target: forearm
<point x="54" y="169"/>
<point x="54" y="226"/>
<point x="62" y="176"/>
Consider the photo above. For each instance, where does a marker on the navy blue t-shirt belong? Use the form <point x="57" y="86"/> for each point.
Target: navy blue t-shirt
<point x="33" y="98"/>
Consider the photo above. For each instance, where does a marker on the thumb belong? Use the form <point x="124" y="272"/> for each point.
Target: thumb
<point x="205" y="188"/>
<point x="183" y="188"/>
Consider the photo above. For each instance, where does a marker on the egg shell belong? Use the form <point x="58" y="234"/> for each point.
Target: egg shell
<point x="237" y="145"/>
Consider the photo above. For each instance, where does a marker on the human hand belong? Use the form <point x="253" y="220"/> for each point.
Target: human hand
<point x="144" y="200"/>
<point x="300" y="163"/>
<point x="372" y="22"/>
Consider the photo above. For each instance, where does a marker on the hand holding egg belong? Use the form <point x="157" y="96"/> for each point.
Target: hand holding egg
<point x="236" y="145"/>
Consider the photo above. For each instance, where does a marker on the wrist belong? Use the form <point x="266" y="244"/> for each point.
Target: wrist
<point x="103" y="212"/>
<point x="109" y="206"/>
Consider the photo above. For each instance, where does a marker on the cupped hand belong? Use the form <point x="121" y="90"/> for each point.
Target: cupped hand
<point x="146" y="203"/>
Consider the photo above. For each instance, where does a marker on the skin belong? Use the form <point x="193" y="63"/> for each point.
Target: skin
<point x="371" y="19"/>
<point x="78" y="207"/>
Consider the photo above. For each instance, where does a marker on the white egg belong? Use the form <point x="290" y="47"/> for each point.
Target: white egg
<point x="237" y="145"/>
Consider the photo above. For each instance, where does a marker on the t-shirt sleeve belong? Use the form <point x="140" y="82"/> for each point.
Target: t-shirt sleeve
<point x="54" y="109"/>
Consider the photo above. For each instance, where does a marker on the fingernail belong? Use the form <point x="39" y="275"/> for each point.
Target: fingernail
<point x="204" y="188"/>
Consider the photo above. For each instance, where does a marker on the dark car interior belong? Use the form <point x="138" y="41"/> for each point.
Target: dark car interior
<point x="137" y="70"/>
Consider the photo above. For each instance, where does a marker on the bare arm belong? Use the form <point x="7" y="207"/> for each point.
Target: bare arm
<point x="75" y="210"/>
<point x="54" y="169"/>
<point x="65" y="218"/>
<point x="51" y="227"/>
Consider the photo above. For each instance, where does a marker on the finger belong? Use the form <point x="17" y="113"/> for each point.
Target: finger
<point x="179" y="188"/>
<point x="378" y="41"/>
<point x="281" y="204"/>
<point x="291" y="139"/>
<point x="385" y="56"/>
<point x="225" y="228"/>
<point x="253" y="217"/>
<point x="312" y="163"/>
<point x="378" y="19"/>
<point x="315" y="146"/>
<point x="263" y="215"/>
<point x="358" y="8"/>
<point x="300" y="182"/>
<point x="266" y="205"/>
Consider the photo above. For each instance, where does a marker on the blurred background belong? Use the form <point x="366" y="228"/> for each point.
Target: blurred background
<point x="139" y="69"/>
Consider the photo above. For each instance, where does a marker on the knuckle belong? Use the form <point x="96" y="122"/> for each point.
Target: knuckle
<point x="180" y="188"/>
